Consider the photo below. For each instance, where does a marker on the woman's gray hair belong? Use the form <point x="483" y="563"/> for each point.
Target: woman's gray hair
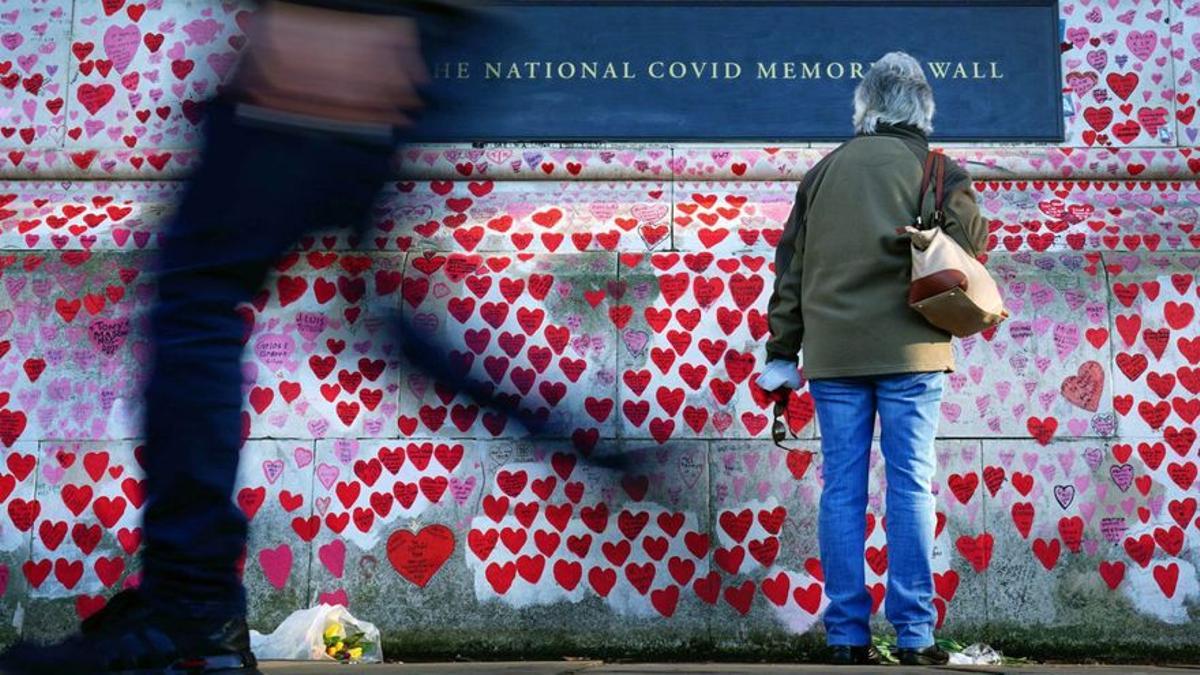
<point x="893" y="91"/>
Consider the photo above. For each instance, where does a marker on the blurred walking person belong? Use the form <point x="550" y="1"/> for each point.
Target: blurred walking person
<point x="303" y="140"/>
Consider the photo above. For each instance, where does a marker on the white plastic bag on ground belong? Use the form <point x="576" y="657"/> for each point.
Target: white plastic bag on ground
<point x="977" y="654"/>
<point x="301" y="636"/>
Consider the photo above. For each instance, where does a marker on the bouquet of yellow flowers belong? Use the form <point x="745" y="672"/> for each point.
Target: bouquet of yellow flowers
<point x="321" y="633"/>
<point x="346" y="648"/>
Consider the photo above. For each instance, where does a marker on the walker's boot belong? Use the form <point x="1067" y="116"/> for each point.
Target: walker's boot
<point x="128" y="636"/>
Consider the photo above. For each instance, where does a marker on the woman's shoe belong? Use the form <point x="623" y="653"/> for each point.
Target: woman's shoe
<point x="932" y="655"/>
<point x="843" y="655"/>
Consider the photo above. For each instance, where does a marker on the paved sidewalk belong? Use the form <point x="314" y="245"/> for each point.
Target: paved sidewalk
<point x="601" y="668"/>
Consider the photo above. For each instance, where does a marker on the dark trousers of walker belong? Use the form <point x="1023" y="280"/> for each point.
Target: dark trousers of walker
<point x="258" y="191"/>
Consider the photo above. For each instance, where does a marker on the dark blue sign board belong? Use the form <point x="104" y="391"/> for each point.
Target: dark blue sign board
<point x="579" y="70"/>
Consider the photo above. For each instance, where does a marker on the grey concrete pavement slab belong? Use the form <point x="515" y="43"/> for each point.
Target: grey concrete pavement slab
<point x="601" y="668"/>
<point x="499" y="668"/>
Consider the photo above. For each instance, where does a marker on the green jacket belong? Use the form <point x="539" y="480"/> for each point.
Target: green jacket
<point x="842" y="269"/>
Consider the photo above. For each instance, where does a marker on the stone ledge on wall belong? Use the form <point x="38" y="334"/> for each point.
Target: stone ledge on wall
<point x="635" y="162"/>
<point x="644" y="216"/>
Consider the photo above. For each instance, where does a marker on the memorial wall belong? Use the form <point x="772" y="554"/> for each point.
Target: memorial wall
<point x="621" y="286"/>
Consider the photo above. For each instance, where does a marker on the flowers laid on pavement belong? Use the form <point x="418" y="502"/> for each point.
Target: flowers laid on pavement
<point x="346" y="648"/>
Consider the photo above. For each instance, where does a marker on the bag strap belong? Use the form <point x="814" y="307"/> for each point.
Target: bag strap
<point x="935" y="172"/>
<point x="940" y="186"/>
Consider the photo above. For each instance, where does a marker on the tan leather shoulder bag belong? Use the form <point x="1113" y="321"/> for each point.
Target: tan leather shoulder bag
<point x="949" y="287"/>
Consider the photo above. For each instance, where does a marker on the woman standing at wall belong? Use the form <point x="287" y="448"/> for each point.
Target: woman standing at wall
<point x="843" y="272"/>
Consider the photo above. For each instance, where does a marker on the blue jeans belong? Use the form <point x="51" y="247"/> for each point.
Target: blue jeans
<point x="908" y="406"/>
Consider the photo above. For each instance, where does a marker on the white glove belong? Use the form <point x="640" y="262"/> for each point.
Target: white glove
<point x="779" y="373"/>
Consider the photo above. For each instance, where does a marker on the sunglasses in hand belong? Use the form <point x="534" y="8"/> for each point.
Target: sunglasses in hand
<point x="786" y="401"/>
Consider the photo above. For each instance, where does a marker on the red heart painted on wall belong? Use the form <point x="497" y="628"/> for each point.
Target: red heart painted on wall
<point x="418" y="556"/>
